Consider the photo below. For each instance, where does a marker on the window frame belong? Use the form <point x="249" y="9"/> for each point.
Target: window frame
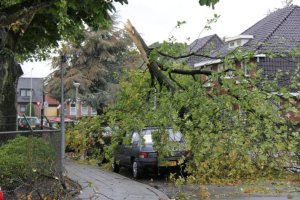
<point x="26" y="92"/>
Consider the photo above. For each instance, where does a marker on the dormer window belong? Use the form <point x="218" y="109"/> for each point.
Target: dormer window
<point x="238" y="41"/>
<point x="231" y="45"/>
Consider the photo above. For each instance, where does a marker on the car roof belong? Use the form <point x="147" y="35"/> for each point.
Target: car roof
<point x="20" y="117"/>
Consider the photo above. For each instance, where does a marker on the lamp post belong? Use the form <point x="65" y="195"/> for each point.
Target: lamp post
<point x="76" y="84"/>
<point x="62" y="114"/>
<point x="30" y="100"/>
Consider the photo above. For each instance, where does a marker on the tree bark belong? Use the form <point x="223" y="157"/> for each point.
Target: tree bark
<point x="10" y="71"/>
<point x="145" y="53"/>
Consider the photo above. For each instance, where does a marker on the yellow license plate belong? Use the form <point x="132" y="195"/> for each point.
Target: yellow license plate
<point x="168" y="164"/>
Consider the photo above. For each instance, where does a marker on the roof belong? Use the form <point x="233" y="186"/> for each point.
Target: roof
<point x="278" y="32"/>
<point x="51" y="100"/>
<point x="204" y="45"/>
<point x="199" y="43"/>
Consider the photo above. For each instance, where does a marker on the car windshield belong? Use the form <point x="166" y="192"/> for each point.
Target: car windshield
<point x="32" y="121"/>
<point x="147" y="135"/>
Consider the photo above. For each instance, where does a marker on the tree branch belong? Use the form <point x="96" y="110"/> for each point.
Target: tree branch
<point x="188" y="55"/>
<point x="178" y="84"/>
<point x="145" y="53"/>
<point x="16" y="12"/>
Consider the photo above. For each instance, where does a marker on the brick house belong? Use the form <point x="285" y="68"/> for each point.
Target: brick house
<point x="81" y="110"/>
<point x="35" y="86"/>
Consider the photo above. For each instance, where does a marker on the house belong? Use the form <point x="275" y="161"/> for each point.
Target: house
<point x="204" y="46"/>
<point x="30" y="90"/>
<point x="278" y="33"/>
<point x="71" y="110"/>
<point x="51" y="106"/>
<point x="74" y="111"/>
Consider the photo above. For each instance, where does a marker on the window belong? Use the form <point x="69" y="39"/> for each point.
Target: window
<point x="221" y="68"/>
<point x="245" y="69"/>
<point x="94" y="112"/>
<point x="84" y="111"/>
<point x="25" y="92"/>
<point x="22" y="108"/>
<point x="73" y="109"/>
<point x="135" y="138"/>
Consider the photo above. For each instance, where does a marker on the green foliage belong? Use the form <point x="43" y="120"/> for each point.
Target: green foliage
<point x="27" y="110"/>
<point x="88" y="139"/>
<point x="59" y="20"/>
<point x="208" y="2"/>
<point x="96" y="64"/>
<point x="23" y="159"/>
<point x="233" y="128"/>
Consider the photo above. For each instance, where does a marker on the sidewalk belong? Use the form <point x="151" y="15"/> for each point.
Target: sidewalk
<point x="101" y="184"/>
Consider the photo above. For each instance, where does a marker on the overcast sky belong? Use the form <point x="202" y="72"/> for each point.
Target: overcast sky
<point x="155" y="20"/>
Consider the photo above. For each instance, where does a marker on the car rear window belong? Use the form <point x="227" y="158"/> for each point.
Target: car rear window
<point x="177" y="136"/>
<point x="173" y="136"/>
<point x="32" y="121"/>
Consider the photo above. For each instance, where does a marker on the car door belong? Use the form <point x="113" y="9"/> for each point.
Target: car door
<point x="125" y="152"/>
<point x="131" y="149"/>
<point x="119" y="153"/>
<point x="135" y="146"/>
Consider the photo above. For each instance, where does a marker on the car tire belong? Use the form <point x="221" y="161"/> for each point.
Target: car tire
<point x="115" y="167"/>
<point x="136" y="170"/>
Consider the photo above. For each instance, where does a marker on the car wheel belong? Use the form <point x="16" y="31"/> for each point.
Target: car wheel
<point x="136" y="170"/>
<point x="115" y="167"/>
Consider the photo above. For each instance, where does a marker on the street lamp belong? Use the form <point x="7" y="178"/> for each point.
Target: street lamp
<point x="30" y="100"/>
<point x="63" y="60"/>
<point x="76" y="84"/>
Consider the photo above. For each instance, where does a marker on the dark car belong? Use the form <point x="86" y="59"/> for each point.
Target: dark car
<point x="141" y="156"/>
<point x="55" y="122"/>
<point x="34" y="123"/>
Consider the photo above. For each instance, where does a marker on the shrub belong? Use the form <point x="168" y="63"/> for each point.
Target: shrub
<point x="23" y="160"/>
<point x="27" y="110"/>
<point x="87" y="138"/>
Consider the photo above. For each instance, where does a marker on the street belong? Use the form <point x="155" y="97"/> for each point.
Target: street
<point x="257" y="191"/>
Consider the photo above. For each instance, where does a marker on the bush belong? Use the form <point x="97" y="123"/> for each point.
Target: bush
<point x="23" y="160"/>
<point x="27" y="110"/>
<point x="88" y="139"/>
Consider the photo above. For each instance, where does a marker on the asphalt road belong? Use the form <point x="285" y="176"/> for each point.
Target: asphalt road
<point x="257" y="191"/>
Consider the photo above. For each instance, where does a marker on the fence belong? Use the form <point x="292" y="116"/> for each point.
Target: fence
<point x="34" y="155"/>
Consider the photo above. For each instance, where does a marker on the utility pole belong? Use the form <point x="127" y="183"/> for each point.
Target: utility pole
<point x="62" y="114"/>
<point x="30" y="100"/>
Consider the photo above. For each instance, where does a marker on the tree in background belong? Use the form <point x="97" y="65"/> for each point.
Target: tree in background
<point x="97" y="64"/>
<point x="30" y="29"/>
<point x="27" y="110"/>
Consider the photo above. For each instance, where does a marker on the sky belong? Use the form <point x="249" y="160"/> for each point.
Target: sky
<point x="155" y="20"/>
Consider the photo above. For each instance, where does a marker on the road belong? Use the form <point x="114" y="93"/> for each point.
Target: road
<point x="257" y="191"/>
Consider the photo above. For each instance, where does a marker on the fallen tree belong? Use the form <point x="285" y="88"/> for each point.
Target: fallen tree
<point x="234" y="126"/>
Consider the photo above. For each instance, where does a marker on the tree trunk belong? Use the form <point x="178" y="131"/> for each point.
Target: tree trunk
<point x="145" y="53"/>
<point x="10" y="71"/>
